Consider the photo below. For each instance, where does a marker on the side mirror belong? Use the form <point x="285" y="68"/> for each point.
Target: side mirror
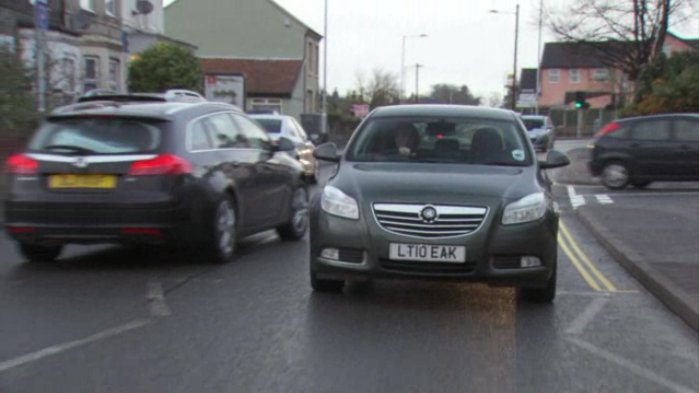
<point x="327" y="152"/>
<point x="284" y="144"/>
<point x="554" y="159"/>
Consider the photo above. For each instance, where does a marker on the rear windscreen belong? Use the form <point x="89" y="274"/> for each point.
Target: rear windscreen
<point x="273" y="126"/>
<point x="97" y="136"/>
<point x="533" y="123"/>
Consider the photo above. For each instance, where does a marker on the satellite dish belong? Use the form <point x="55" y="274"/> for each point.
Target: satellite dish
<point x="143" y="7"/>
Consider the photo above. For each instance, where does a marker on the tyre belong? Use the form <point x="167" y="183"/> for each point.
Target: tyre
<point x="322" y="285"/>
<point x="40" y="254"/>
<point x="545" y="294"/>
<point x="615" y="175"/>
<point x="640" y="183"/>
<point x="297" y="226"/>
<point x="221" y="247"/>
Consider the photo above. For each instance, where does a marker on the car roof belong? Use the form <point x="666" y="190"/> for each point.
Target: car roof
<point x="443" y="110"/>
<point x="152" y="110"/>
<point x="660" y="116"/>
<point x="541" y="117"/>
<point x="268" y="116"/>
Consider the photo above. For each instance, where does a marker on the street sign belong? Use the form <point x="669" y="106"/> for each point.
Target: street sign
<point x="526" y="100"/>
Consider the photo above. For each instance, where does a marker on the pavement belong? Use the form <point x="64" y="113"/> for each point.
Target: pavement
<point x="653" y="234"/>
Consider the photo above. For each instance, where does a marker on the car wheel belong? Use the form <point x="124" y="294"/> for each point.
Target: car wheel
<point x="641" y="183"/>
<point x="296" y="228"/>
<point x="40" y="254"/>
<point x="615" y="175"/>
<point x="222" y="245"/>
<point x="322" y="285"/>
<point x="545" y="294"/>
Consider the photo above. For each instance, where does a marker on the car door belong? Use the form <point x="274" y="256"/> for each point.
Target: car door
<point x="271" y="177"/>
<point x="651" y="148"/>
<point x="686" y="137"/>
<point x="235" y="165"/>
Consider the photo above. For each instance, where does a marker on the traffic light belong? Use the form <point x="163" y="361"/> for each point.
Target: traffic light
<point x="580" y="100"/>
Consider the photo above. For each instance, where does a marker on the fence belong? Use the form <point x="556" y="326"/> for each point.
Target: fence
<point x="566" y="121"/>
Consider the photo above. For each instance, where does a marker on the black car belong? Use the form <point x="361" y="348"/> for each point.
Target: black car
<point x="641" y="150"/>
<point x="437" y="192"/>
<point x="151" y="170"/>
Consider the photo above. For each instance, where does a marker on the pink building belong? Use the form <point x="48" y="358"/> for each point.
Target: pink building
<point x="567" y="67"/>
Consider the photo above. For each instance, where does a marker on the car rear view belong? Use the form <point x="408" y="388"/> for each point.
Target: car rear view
<point x="93" y="179"/>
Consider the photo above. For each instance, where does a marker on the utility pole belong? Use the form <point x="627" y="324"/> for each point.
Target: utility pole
<point x="514" y="68"/>
<point x="538" y="55"/>
<point x="324" y="111"/>
<point x="417" y="82"/>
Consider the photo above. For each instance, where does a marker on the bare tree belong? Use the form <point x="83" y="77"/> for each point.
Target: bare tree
<point x="626" y="34"/>
<point x="495" y="100"/>
<point x="380" y="89"/>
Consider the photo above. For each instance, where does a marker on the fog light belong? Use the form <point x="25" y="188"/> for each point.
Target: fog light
<point x="530" y="262"/>
<point x="330" y="253"/>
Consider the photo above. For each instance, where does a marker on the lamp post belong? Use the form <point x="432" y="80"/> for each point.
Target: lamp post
<point x="324" y="103"/>
<point x="417" y="82"/>
<point x="402" y="62"/>
<point x="538" y="55"/>
<point x="514" y="67"/>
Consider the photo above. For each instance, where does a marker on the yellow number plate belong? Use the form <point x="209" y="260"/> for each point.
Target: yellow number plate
<point x="82" y="181"/>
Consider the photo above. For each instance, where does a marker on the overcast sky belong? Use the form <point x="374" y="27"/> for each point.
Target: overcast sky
<point x="465" y="45"/>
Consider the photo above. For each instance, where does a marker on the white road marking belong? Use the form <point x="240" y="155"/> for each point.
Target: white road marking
<point x="630" y="366"/>
<point x="575" y="199"/>
<point x="156" y="300"/>
<point x="580" y="323"/>
<point x="56" y="349"/>
<point x="604" y="199"/>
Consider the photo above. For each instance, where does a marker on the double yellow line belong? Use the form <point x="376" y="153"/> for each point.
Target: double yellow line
<point x="589" y="272"/>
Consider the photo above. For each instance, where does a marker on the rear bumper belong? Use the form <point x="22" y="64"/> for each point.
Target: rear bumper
<point x="57" y="224"/>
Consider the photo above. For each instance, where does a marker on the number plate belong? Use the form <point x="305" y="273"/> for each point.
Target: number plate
<point x="82" y="181"/>
<point x="427" y="253"/>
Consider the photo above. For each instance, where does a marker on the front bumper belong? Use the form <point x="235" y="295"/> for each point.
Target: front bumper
<point x="364" y="246"/>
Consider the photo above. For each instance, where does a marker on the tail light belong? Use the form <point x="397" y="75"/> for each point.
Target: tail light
<point x="165" y="164"/>
<point x="608" y="129"/>
<point x="19" y="164"/>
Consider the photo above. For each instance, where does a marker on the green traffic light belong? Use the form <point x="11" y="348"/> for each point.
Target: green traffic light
<point x="578" y="105"/>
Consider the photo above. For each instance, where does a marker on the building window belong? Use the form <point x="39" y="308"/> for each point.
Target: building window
<point x="600" y="75"/>
<point x="574" y="75"/>
<point x="114" y="74"/>
<point x="267" y="105"/>
<point x="110" y="7"/>
<point x="88" y="5"/>
<point x="91" y="73"/>
<point x="68" y="75"/>
<point x="554" y="76"/>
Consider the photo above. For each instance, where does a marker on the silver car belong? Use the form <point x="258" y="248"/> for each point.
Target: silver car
<point x="540" y="130"/>
<point x="286" y="126"/>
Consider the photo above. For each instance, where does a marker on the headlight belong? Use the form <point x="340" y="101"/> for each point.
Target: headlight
<point x="530" y="208"/>
<point x="337" y="203"/>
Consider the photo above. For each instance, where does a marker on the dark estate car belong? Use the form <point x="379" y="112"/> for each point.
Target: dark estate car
<point x="641" y="150"/>
<point x="437" y="192"/>
<point x="144" y="169"/>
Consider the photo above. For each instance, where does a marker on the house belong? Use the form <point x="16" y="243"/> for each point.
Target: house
<point x="567" y="67"/>
<point x="254" y="49"/>
<point x="143" y="24"/>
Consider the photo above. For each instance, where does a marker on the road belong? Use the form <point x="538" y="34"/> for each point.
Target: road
<point x="106" y="319"/>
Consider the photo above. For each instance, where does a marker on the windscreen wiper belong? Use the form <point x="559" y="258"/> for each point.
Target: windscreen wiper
<point x="73" y="148"/>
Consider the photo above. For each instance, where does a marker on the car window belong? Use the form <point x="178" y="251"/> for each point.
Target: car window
<point x="225" y="132"/>
<point x="97" y="136"/>
<point x="257" y="137"/>
<point x="460" y="140"/>
<point x="299" y="129"/>
<point x="687" y="130"/>
<point x="533" y="123"/>
<point x="291" y="131"/>
<point x="651" y="130"/>
<point x="272" y="126"/>
<point x="199" y="137"/>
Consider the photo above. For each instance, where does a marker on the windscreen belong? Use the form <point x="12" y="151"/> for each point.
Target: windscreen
<point x="440" y="140"/>
<point x="533" y="123"/>
<point x="96" y="136"/>
<point x="273" y="126"/>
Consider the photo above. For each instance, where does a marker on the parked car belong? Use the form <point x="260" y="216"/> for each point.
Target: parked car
<point x="286" y="126"/>
<point x="163" y="171"/>
<point x="641" y="150"/>
<point x="540" y="130"/>
<point x="437" y="192"/>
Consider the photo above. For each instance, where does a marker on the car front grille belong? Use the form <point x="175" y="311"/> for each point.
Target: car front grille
<point x="411" y="220"/>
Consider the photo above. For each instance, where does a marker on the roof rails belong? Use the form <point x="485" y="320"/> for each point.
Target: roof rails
<point x="173" y="95"/>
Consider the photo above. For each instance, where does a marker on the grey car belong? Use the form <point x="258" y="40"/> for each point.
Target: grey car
<point x="540" y="130"/>
<point x="437" y="192"/>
